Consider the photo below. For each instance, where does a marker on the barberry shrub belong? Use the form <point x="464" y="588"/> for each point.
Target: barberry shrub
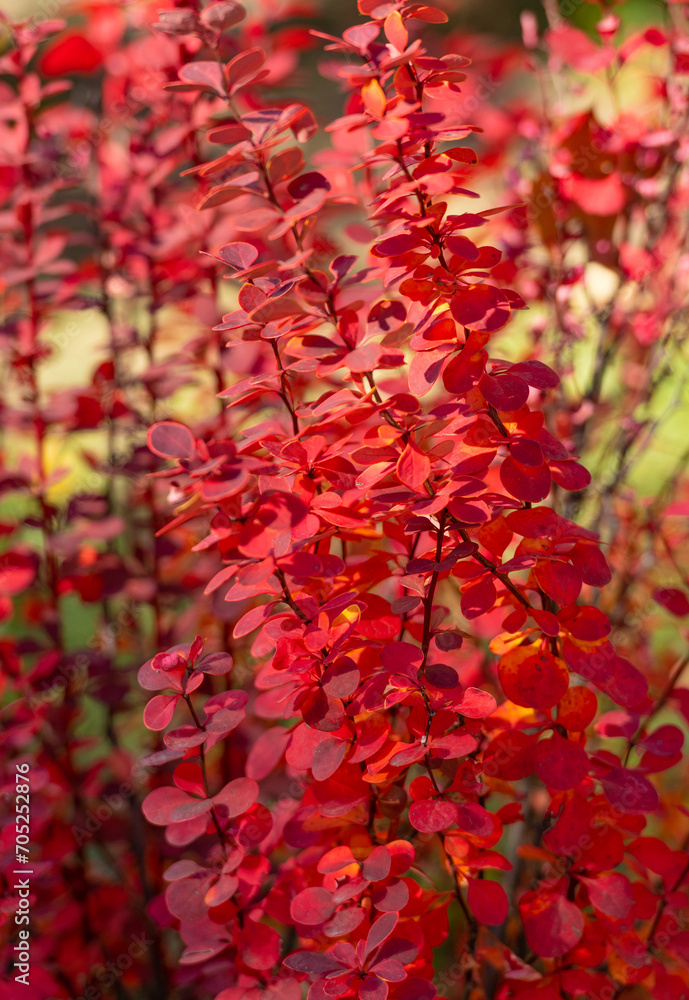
<point x="411" y="669"/>
<point x="386" y="472"/>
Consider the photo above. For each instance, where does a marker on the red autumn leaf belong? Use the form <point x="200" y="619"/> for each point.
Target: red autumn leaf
<point x="237" y="796"/>
<point x="552" y="924"/>
<point x="258" y="945"/>
<point x="537" y="522"/>
<point x="159" y="805"/>
<point x="377" y="865"/>
<point x="624" y="683"/>
<point x="381" y="929"/>
<point x="335" y="860"/>
<point x="17" y="571"/>
<point x="480" y="307"/>
<point x="240" y="256"/>
<point x="527" y="482"/>
<point x="313" y="963"/>
<point x="327" y="757"/>
<point x="560" y="580"/>
<point x="203" y="75"/>
<point x="505" y="391"/>
<point x="185" y="898"/>
<point x="611" y="894"/>
<point x="432" y="815"/>
<point x="170" y="439"/>
<point x="424" y="370"/>
<point x="311" y="907"/>
<point x="537" y="374"/>
<point x="479" y="598"/>
<point x="487" y="901"/>
<point x="215" y="664"/>
<point x="596" y="196"/>
<point x="665" y="741"/>
<point x="577" y="709"/>
<point x="675" y="601"/>
<point x="322" y="712"/>
<point x="222" y="890"/>
<point x="630" y="791"/>
<point x="560" y="763"/>
<point x="185" y="737"/>
<point x="532" y="678"/>
<point x="159" y="711"/>
<point x="70" y="53"/>
<point x="244" y="65"/>
<point x="390" y="896"/>
<point x="462" y="246"/>
<point x="413" y="468"/>
<point x="266" y="752"/>
<point x="570" y="475"/>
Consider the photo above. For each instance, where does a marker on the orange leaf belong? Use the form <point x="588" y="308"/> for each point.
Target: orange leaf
<point x="395" y="31"/>
<point x="373" y="97"/>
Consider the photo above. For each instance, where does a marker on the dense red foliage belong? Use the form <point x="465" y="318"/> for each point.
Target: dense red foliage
<point x="409" y="748"/>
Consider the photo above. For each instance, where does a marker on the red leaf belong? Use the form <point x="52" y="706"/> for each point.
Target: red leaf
<point x="432" y="815"/>
<point x="665" y="741"/>
<point x="537" y="374"/>
<point x="539" y="522"/>
<point x="480" y="307"/>
<point x="203" y="75"/>
<point x="525" y="482"/>
<point x="424" y="370"/>
<point x="322" y="712"/>
<point x="216" y="664"/>
<point x="170" y="439"/>
<point x="159" y="805"/>
<point x="159" y="711"/>
<point x="413" y="468"/>
<point x="479" y="598"/>
<point x="17" y="571"/>
<point x="552" y="924"/>
<point x="245" y="64"/>
<point x="311" y="907"/>
<point x="559" y="580"/>
<point x="504" y="392"/>
<point x="675" y="601"/>
<point x="577" y="709"/>
<point x="610" y="894"/>
<point x="560" y="763"/>
<point x="311" y="963"/>
<point x="377" y="865"/>
<point x="596" y="196"/>
<point x="533" y="679"/>
<point x="381" y="929"/>
<point x="237" y="796"/>
<point x="630" y="791"/>
<point x="570" y="475"/>
<point x="327" y="757"/>
<point x="391" y="896"/>
<point x="258" y="945"/>
<point x="487" y="901"/>
<point x="185" y="737"/>
<point x="185" y="897"/>
<point x="70" y="53"/>
<point x="240" y="256"/>
<point x="266" y="752"/>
